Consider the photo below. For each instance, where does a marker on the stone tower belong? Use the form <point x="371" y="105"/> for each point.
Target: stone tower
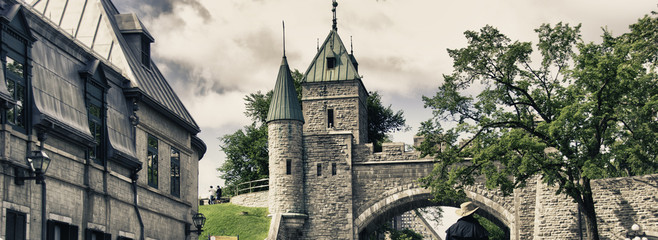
<point x="285" y="123"/>
<point x="334" y="97"/>
<point x="334" y="107"/>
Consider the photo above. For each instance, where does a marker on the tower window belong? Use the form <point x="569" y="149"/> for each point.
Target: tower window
<point x="331" y="62"/>
<point x="333" y="168"/>
<point x="330" y="118"/>
<point x="288" y="167"/>
<point x="319" y="168"/>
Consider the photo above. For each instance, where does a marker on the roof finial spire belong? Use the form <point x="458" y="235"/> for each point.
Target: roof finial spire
<point x="284" y="37"/>
<point x="335" y="25"/>
<point x="351" y="47"/>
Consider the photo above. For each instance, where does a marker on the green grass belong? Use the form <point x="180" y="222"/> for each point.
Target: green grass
<point x="226" y="220"/>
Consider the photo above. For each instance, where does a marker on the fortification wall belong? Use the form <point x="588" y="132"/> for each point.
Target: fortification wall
<point x="620" y="203"/>
<point x="254" y="199"/>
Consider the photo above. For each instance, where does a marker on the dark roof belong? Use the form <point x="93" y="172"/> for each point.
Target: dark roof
<point x="344" y="63"/>
<point x="149" y="80"/>
<point x="98" y="27"/>
<point x="284" y="105"/>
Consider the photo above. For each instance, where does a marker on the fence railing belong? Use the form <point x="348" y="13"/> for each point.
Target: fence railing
<point x="253" y="186"/>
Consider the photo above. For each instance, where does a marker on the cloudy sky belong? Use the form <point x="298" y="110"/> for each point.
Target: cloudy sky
<point x="214" y="52"/>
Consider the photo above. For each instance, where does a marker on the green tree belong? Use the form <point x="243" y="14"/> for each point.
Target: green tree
<point x="382" y="120"/>
<point x="246" y="149"/>
<point x="586" y="111"/>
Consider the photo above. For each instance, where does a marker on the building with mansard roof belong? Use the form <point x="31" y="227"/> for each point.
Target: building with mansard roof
<point x="82" y="89"/>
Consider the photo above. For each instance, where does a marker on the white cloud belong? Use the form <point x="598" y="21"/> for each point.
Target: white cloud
<point x="218" y="110"/>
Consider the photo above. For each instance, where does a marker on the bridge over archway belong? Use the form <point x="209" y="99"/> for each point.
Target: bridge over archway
<point x="384" y="189"/>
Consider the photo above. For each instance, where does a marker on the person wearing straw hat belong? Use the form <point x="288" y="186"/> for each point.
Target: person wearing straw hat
<point x="467" y="227"/>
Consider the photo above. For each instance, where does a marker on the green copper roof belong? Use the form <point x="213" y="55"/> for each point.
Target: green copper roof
<point x="284" y="105"/>
<point x="324" y="69"/>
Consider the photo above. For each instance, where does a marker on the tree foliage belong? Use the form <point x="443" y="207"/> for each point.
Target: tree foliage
<point x="382" y="120"/>
<point x="246" y="149"/>
<point x="585" y="111"/>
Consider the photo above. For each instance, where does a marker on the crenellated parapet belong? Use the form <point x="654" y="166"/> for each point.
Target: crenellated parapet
<point x="390" y="152"/>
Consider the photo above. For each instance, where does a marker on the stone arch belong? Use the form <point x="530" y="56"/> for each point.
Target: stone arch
<point x="393" y="204"/>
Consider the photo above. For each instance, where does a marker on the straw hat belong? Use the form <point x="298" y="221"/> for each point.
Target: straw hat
<point x="467" y="208"/>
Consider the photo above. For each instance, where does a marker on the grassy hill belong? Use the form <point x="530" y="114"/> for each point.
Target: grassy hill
<point x="229" y="220"/>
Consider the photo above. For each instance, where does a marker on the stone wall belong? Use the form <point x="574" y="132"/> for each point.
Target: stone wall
<point x="619" y="202"/>
<point x="345" y="98"/>
<point x="390" y="152"/>
<point x="254" y="199"/>
<point x="328" y="189"/>
<point x="414" y="220"/>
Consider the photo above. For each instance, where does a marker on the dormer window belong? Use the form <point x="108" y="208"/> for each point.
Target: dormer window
<point x="146" y="52"/>
<point x="331" y="62"/>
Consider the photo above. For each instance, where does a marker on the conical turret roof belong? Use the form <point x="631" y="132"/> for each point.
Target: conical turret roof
<point x="284" y="105"/>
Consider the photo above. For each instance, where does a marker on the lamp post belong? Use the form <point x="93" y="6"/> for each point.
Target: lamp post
<point x="199" y="220"/>
<point x="38" y="162"/>
<point x="635" y="233"/>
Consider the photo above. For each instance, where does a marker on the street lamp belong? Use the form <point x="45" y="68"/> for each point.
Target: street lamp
<point x="635" y="233"/>
<point x="199" y="220"/>
<point x="38" y="162"/>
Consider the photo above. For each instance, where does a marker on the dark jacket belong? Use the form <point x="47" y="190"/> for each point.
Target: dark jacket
<point x="467" y="228"/>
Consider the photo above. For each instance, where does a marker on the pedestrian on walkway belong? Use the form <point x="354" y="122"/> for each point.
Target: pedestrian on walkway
<point x="211" y="198"/>
<point x="467" y="227"/>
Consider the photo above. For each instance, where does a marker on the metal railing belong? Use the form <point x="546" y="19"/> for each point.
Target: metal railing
<point x="253" y="186"/>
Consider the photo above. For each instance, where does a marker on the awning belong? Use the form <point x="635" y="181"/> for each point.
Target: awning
<point x="58" y="92"/>
<point x="119" y="128"/>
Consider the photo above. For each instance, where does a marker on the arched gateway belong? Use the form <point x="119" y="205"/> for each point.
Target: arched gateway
<point x="326" y="182"/>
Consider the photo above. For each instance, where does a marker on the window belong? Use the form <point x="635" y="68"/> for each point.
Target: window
<point x="288" y="167"/>
<point x="146" y="52"/>
<point x="333" y="168"/>
<point x="330" y="118"/>
<point x="15" y="80"/>
<point x="91" y="234"/>
<point x="15" y="228"/>
<point x="319" y="169"/>
<point x="61" y="231"/>
<point x="95" y="112"/>
<point x="175" y="172"/>
<point x="331" y="62"/>
<point x="152" y="161"/>
<point x="124" y="238"/>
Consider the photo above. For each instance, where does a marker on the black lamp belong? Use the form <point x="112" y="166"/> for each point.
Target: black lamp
<point x="38" y="162"/>
<point x="199" y="220"/>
